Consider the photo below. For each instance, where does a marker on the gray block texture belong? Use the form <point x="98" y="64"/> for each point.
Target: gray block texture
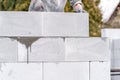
<point x="70" y="49"/>
<point x="47" y="49"/>
<point x="87" y="49"/>
<point x="55" y="49"/>
<point x="8" y="50"/>
<point x="43" y="24"/>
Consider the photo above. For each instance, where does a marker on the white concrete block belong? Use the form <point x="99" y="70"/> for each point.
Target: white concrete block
<point x="66" y="24"/>
<point x="8" y="50"/>
<point x="115" y="63"/>
<point x="116" y="43"/>
<point x="47" y="49"/>
<point x="111" y="33"/>
<point x="100" y="71"/>
<point x="21" y="71"/>
<point x="108" y="41"/>
<point x="66" y="71"/>
<point x="116" y="54"/>
<point x="22" y="53"/>
<point x="24" y="47"/>
<point x="43" y="24"/>
<point x="20" y="24"/>
<point x="87" y="49"/>
<point x="117" y="77"/>
<point x="112" y="63"/>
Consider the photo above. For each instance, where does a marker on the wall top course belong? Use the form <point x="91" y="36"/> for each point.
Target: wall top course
<point x="43" y="24"/>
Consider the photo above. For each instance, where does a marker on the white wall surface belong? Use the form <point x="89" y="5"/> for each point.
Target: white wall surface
<point x="100" y="71"/>
<point x="44" y="24"/>
<point x="8" y="50"/>
<point x="21" y="71"/>
<point x="87" y="49"/>
<point x="55" y="49"/>
<point x="66" y="71"/>
<point x="114" y="35"/>
<point x="111" y="33"/>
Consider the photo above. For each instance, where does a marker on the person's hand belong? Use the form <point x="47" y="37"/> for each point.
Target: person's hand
<point x="78" y="8"/>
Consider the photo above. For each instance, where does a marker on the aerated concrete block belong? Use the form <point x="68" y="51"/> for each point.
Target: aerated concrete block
<point x="43" y="24"/>
<point x="100" y="71"/>
<point x="66" y="24"/>
<point x="47" y="49"/>
<point x="22" y="53"/>
<point x="116" y="44"/>
<point x="20" y="24"/>
<point x="8" y="50"/>
<point x="66" y="71"/>
<point x="115" y="63"/>
<point x="87" y="49"/>
<point x="21" y="71"/>
<point x="111" y="33"/>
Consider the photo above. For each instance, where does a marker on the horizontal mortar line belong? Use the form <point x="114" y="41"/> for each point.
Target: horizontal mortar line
<point x="52" y="61"/>
<point x="46" y="36"/>
<point x="115" y="70"/>
<point x="49" y="37"/>
<point x="116" y="74"/>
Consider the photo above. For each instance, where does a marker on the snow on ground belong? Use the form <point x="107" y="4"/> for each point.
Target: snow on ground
<point x="107" y="7"/>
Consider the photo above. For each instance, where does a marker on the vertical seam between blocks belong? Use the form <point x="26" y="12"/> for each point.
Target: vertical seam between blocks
<point x="89" y="70"/>
<point x="42" y="24"/>
<point x="17" y="53"/>
<point x="27" y="55"/>
<point x="42" y="70"/>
